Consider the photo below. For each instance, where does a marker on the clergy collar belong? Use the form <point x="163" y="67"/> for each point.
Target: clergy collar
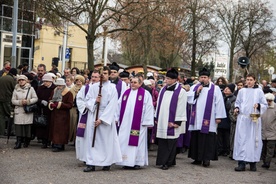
<point x="206" y="85"/>
<point x="171" y="87"/>
<point x="115" y="81"/>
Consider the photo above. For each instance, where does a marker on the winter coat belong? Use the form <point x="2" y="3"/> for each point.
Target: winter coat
<point x="20" y="117"/>
<point x="269" y="123"/>
<point x="6" y="88"/>
<point x="60" y="118"/>
<point x="226" y="122"/>
<point x="44" y="93"/>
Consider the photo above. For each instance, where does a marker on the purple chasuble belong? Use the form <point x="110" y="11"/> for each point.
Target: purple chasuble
<point x="207" y="111"/>
<point x="137" y="116"/>
<point x="83" y="119"/>
<point x="119" y="87"/>
<point x="173" y="106"/>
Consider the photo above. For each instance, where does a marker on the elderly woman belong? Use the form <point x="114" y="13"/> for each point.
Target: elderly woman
<point x="79" y="82"/>
<point x="23" y="94"/>
<point x="268" y="130"/>
<point x="43" y="93"/>
<point x="61" y="101"/>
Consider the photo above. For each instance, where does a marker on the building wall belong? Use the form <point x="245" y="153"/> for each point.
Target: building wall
<point x="48" y="45"/>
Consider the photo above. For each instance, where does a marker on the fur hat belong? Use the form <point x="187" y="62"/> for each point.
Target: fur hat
<point x="124" y="74"/>
<point x="172" y="73"/>
<point x="204" y="71"/>
<point x="269" y="96"/>
<point x="81" y="78"/>
<point x="48" y="77"/>
<point x="60" y="82"/>
<point x="231" y="86"/>
<point x="21" y="77"/>
<point x="114" y="66"/>
<point x="273" y="80"/>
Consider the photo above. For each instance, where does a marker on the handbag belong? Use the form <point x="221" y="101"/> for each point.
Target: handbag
<point x="30" y="108"/>
<point x="40" y="120"/>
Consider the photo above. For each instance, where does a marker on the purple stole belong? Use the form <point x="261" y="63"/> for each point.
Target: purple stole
<point x="207" y="112"/>
<point x="137" y="117"/>
<point x="119" y="87"/>
<point x="173" y="106"/>
<point x="83" y="119"/>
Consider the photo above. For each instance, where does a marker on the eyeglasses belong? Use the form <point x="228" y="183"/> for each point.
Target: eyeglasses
<point x="269" y="100"/>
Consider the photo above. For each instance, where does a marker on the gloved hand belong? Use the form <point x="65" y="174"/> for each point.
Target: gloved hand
<point x="53" y="105"/>
<point x="44" y="102"/>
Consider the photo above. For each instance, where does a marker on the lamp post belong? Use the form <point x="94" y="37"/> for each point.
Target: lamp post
<point x="14" y="32"/>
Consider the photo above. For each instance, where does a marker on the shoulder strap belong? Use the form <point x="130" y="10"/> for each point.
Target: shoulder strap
<point x="27" y="93"/>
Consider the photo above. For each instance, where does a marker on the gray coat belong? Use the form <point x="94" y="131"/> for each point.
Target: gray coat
<point x="20" y="117"/>
<point x="269" y="123"/>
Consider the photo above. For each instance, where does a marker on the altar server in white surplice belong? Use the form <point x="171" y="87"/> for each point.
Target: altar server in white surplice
<point x="248" y="138"/>
<point x="135" y="115"/>
<point x="106" y="150"/>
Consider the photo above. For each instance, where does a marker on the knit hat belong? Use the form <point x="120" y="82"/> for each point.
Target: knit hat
<point x="231" y="86"/>
<point x="48" y="77"/>
<point x="114" y="66"/>
<point x="13" y="71"/>
<point x="204" y="71"/>
<point x="172" y="73"/>
<point x="21" y="77"/>
<point x="269" y="96"/>
<point x="60" y="82"/>
<point x="81" y="78"/>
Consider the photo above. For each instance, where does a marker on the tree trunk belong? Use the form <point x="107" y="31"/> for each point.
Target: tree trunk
<point x="90" y="52"/>
<point x="231" y="64"/>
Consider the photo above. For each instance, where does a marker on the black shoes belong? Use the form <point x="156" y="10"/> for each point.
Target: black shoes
<point x="165" y="167"/>
<point x="266" y="165"/>
<point x="136" y="167"/>
<point x="196" y="162"/>
<point x="206" y="163"/>
<point x="241" y="167"/>
<point x="106" y="168"/>
<point x="57" y="149"/>
<point x="89" y="168"/>
<point x="253" y="166"/>
<point x="18" y="143"/>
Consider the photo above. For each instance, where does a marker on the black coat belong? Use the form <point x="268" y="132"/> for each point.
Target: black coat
<point x="225" y="122"/>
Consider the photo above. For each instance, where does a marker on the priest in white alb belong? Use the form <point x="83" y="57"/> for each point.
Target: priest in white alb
<point x="207" y="110"/>
<point x="106" y="150"/>
<point x="135" y="115"/>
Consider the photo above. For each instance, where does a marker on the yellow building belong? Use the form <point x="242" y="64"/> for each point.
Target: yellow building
<point x="48" y="45"/>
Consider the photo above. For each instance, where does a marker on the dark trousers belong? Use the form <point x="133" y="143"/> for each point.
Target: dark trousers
<point x="268" y="150"/>
<point x="223" y="141"/>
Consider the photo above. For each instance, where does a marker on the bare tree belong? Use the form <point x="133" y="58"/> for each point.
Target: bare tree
<point x="232" y="18"/>
<point x="259" y="28"/>
<point x="201" y="27"/>
<point x="90" y="16"/>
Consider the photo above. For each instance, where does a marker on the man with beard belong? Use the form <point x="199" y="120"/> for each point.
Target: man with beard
<point x="106" y="150"/>
<point x="41" y="70"/>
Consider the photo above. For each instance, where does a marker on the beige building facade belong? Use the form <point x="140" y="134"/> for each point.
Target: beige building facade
<point x="48" y="45"/>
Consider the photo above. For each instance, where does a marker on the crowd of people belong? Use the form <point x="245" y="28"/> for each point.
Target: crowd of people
<point x="112" y="116"/>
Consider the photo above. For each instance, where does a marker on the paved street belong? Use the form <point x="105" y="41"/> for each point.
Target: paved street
<point x="36" y="165"/>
